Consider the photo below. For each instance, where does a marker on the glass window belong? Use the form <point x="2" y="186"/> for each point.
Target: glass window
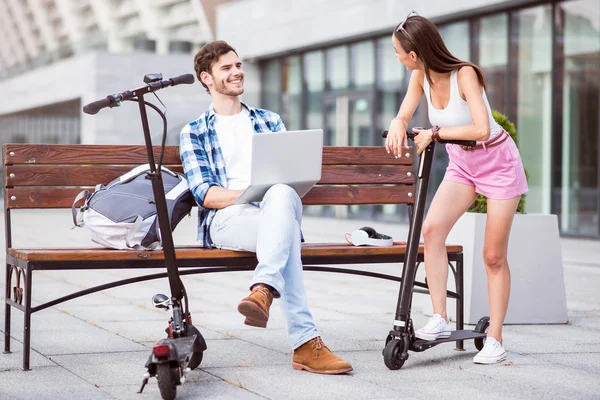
<point x="581" y="124"/>
<point x="363" y="64"/>
<point x="314" y="78"/>
<point x="534" y="105"/>
<point x="272" y="86"/>
<point x="493" y="58"/>
<point x="390" y="83"/>
<point x="457" y="39"/>
<point x="338" y="74"/>
<point x="292" y="93"/>
<point x="390" y="74"/>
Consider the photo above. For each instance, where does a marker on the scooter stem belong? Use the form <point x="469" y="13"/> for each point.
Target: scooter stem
<point x="161" y="209"/>
<point x="414" y="235"/>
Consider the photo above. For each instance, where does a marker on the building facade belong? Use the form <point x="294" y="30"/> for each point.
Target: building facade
<point x="331" y="65"/>
<point x="58" y="55"/>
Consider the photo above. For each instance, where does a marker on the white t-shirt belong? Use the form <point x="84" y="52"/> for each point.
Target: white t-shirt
<point x="235" y="137"/>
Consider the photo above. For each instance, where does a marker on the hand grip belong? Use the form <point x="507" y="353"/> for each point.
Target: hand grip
<point x="182" y="79"/>
<point x="96" y="106"/>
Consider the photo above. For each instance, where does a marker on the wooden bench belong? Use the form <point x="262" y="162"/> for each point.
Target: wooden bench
<point x="40" y="176"/>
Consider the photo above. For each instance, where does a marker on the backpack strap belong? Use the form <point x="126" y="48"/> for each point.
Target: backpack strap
<point x="173" y="194"/>
<point x="133" y="230"/>
<point x="137" y="171"/>
<point x="78" y="213"/>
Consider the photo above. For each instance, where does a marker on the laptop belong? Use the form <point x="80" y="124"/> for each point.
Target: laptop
<point x="291" y="157"/>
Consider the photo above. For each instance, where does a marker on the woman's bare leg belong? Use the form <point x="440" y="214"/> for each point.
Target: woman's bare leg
<point x="451" y="201"/>
<point x="500" y="215"/>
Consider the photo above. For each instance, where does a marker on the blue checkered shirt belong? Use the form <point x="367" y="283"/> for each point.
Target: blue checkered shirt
<point x="203" y="161"/>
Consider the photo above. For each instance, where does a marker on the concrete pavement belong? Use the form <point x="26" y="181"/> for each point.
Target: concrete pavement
<point x="95" y="347"/>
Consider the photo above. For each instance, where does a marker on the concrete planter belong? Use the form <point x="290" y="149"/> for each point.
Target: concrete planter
<point x="535" y="260"/>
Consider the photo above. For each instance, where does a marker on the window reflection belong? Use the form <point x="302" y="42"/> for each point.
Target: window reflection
<point x="493" y="58"/>
<point x="272" y="86"/>
<point x="314" y="77"/>
<point x="363" y="64"/>
<point x="456" y="36"/>
<point x="338" y="74"/>
<point x="292" y="93"/>
<point x="534" y="95"/>
<point x="581" y="125"/>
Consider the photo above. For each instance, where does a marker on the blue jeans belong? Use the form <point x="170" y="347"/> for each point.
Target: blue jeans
<point x="273" y="232"/>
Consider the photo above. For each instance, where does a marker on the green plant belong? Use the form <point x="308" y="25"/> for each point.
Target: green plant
<point x="480" y="203"/>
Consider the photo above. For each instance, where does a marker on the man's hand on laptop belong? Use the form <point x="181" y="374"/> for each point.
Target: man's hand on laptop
<point x="218" y="197"/>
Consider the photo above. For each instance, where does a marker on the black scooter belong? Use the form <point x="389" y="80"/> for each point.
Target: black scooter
<point x="182" y="350"/>
<point x="402" y="338"/>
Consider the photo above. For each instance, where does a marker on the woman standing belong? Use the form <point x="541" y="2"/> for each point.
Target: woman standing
<point x="458" y="109"/>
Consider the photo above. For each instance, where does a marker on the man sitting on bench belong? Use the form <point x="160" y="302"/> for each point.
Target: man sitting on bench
<point x="216" y="154"/>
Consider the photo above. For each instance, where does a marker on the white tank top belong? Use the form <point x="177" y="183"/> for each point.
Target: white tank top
<point x="457" y="111"/>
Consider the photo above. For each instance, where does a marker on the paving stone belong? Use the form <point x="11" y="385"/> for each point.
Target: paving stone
<point x="292" y="384"/>
<point x="48" y="383"/>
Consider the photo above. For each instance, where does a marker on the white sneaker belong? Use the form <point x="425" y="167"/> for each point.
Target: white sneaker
<point x="492" y="352"/>
<point x="436" y="328"/>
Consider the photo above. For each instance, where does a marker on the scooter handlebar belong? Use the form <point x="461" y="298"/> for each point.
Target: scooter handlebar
<point x="115" y="99"/>
<point x="411" y="135"/>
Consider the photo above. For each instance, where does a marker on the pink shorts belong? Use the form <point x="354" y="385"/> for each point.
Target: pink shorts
<point x="496" y="172"/>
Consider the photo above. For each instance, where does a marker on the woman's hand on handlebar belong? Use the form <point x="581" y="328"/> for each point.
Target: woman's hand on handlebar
<point x="396" y="138"/>
<point x="422" y="139"/>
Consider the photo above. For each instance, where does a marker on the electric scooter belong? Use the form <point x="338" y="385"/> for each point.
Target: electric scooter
<point x="402" y="338"/>
<point x="182" y="350"/>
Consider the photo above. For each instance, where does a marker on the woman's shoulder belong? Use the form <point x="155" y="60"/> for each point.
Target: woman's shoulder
<point x="466" y="71"/>
<point x="418" y="76"/>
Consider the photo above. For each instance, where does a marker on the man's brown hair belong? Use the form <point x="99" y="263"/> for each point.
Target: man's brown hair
<point x="208" y="55"/>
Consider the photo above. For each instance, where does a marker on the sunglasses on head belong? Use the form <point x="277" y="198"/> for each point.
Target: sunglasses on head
<point x="400" y="26"/>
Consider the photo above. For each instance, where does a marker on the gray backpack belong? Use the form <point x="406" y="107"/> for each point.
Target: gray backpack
<point x="122" y="215"/>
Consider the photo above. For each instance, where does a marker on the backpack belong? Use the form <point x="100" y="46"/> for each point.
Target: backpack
<point x="122" y="215"/>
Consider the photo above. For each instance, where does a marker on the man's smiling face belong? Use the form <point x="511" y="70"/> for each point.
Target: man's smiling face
<point x="226" y="75"/>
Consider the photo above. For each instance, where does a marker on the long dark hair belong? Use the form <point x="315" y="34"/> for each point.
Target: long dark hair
<point x="420" y="35"/>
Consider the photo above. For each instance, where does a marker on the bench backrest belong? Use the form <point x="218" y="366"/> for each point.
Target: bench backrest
<point x="50" y="176"/>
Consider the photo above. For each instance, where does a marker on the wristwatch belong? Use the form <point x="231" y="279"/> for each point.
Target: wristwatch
<point x="435" y="133"/>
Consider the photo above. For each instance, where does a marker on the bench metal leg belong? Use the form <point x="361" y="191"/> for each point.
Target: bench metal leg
<point x="460" y="301"/>
<point x="7" y="309"/>
<point x="27" y="320"/>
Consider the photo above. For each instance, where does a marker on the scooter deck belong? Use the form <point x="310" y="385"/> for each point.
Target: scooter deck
<point x="422" y="345"/>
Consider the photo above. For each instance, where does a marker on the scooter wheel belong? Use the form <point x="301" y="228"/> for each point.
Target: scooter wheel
<point x="167" y="376"/>
<point x="481" y="327"/>
<point x="391" y="354"/>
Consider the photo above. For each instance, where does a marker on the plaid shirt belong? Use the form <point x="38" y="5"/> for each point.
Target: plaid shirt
<point x="203" y="161"/>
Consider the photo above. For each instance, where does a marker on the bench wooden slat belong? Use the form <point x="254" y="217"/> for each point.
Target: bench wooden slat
<point x="91" y="175"/>
<point x="75" y="154"/>
<point x="363" y="194"/>
<point x="59" y="197"/>
<point x="366" y="174"/>
<point x="67" y="175"/>
<point x="183" y="253"/>
<point x="362" y="155"/>
<point x="67" y="154"/>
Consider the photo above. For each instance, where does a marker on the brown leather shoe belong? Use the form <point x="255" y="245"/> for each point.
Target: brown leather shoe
<point x="314" y="356"/>
<point x="256" y="306"/>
